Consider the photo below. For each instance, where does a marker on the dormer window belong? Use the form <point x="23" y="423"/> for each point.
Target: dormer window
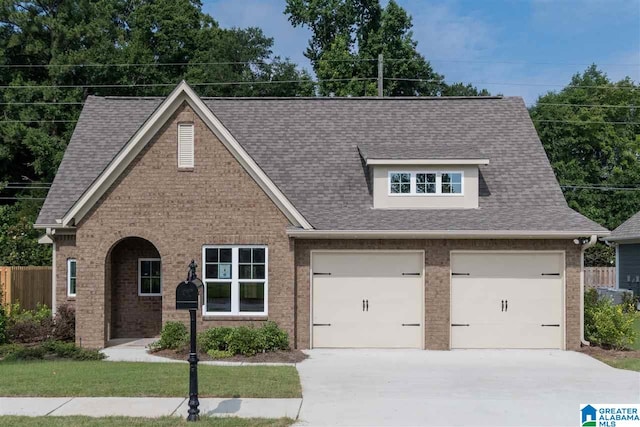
<point x="424" y="183"/>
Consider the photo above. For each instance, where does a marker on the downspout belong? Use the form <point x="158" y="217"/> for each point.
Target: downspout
<point x="592" y="241"/>
<point x="54" y="272"/>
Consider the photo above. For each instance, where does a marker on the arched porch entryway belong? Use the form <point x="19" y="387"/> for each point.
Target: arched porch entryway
<point x="134" y="289"/>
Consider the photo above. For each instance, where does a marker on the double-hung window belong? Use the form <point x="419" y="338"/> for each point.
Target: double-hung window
<point x="149" y="277"/>
<point x="235" y="280"/>
<point x="425" y="183"/>
<point x="71" y="277"/>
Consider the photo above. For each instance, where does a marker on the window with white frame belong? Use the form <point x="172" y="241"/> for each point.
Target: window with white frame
<point x="149" y="277"/>
<point x="425" y="183"/>
<point x="71" y="277"/>
<point x="235" y="280"/>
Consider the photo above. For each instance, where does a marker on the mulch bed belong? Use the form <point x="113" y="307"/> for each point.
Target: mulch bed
<point x="601" y="353"/>
<point x="293" y="356"/>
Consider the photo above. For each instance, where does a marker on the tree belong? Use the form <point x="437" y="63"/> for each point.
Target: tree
<point x="592" y="149"/>
<point x="69" y="43"/>
<point x="347" y="37"/>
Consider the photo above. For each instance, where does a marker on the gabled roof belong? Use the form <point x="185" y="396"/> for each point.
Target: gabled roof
<point x="152" y="124"/>
<point x="309" y="148"/>
<point x="628" y="230"/>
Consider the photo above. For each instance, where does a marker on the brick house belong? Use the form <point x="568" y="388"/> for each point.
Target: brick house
<point x="432" y="223"/>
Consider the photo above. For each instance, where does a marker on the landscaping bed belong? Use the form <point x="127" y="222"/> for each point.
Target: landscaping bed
<point x="249" y="344"/>
<point x="621" y="359"/>
<point x="131" y="421"/>
<point x="280" y="356"/>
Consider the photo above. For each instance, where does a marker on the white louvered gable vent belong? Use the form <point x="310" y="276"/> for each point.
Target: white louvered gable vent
<point x="185" y="145"/>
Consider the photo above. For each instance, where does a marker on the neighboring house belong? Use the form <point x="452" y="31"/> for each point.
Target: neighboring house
<point x="431" y="223"/>
<point x="626" y="239"/>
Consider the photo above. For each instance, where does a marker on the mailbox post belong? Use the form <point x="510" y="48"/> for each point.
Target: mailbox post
<point x="187" y="299"/>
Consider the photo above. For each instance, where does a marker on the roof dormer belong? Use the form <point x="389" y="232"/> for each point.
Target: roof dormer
<point x="410" y="181"/>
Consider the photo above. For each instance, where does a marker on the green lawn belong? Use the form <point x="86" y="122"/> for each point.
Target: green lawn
<point x="630" y="363"/>
<point x="636" y="324"/>
<point x="94" y="379"/>
<point x="128" y="421"/>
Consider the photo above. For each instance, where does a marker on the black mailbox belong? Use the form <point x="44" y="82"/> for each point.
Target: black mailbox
<point x="186" y="296"/>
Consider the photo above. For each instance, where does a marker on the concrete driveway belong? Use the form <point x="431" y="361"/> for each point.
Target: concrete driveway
<point x="457" y="388"/>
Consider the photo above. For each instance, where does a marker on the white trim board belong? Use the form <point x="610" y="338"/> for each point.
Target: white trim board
<point x="147" y="131"/>
<point x="437" y="234"/>
<point x="413" y="162"/>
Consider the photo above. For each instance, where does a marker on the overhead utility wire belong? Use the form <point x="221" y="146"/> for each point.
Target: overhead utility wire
<point x="586" y="187"/>
<point x="183" y="64"/>
<point x="536" y="105"/>
<point x="174" y="84"/>
<point x="125" y="85"/>
<point x="573" y="122"/>
<point x="514" y="84"/>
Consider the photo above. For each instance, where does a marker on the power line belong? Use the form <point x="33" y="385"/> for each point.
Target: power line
<point x="514" y="84"/>
<point x="585" y="122"/>
<point x="586" y="105"/>
<point x="42" y="103"/>
<point x="573" y="122"/>
<point x="38" y="121"/>
<point x="22" y="198"/>
<point x="129" y="85"/>
<point x="193" y="64"/>
<point x="586" y="187"/>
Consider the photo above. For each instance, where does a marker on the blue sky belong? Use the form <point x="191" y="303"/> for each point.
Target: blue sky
<point x="514" y="47"/>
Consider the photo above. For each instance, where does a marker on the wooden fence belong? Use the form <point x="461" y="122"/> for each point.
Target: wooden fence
<point x="26" y="285"/>
<point x="600" y="276"/>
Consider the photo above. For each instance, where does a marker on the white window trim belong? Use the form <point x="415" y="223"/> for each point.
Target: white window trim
<point x="412" y="192"/>
<point x="69" y="261"/>
<point x="235" y="283"/>
<point x="140" y="261"/>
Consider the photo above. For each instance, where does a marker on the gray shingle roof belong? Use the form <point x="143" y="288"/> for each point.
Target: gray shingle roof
<point x="630" y="229"/>
<point x="309" y="148"/>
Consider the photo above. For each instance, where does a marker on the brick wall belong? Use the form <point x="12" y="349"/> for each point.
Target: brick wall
<point x="437" y="280"/>
<point x="132" y="315"/>
<point x="178" y="212"/>
<point x="65" y="249"/>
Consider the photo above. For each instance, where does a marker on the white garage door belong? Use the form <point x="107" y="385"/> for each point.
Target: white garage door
<point x="371" y="299"/>
<point x="507" y="300"/>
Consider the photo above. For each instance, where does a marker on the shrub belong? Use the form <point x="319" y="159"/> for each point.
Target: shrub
<point x="274" y="338"/>
<point x="48" y="349"/>
<point x="3" y="323"/>
<point x="27" y="326"/>
<point x="220" y="354"/>
<point x="214" y="339"/>
<point x="26" y="353"/>
<point x="174" y="336"/>
<point x="68" y="350"/>
<point x="243" y="340"/>
<point x="7" y="349"/>
<point x="606" y="324"/>
<point x="246" y="341"/>
<point x="64" y="324"/>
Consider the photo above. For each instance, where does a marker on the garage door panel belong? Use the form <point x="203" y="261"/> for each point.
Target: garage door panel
<point x="391" y="299"/>
<point x="513" y="265"/>
<point x="505" y="298"/>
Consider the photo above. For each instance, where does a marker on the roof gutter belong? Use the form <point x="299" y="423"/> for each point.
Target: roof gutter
<point x="592" y="241"/>
<point x="439" y="234"/>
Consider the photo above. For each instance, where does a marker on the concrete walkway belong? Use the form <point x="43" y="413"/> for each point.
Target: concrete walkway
<point x="148" y="407"/>
<point x="135" y="350"/>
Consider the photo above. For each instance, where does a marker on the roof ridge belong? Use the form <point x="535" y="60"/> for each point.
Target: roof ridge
<point x="318" y="98"/>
